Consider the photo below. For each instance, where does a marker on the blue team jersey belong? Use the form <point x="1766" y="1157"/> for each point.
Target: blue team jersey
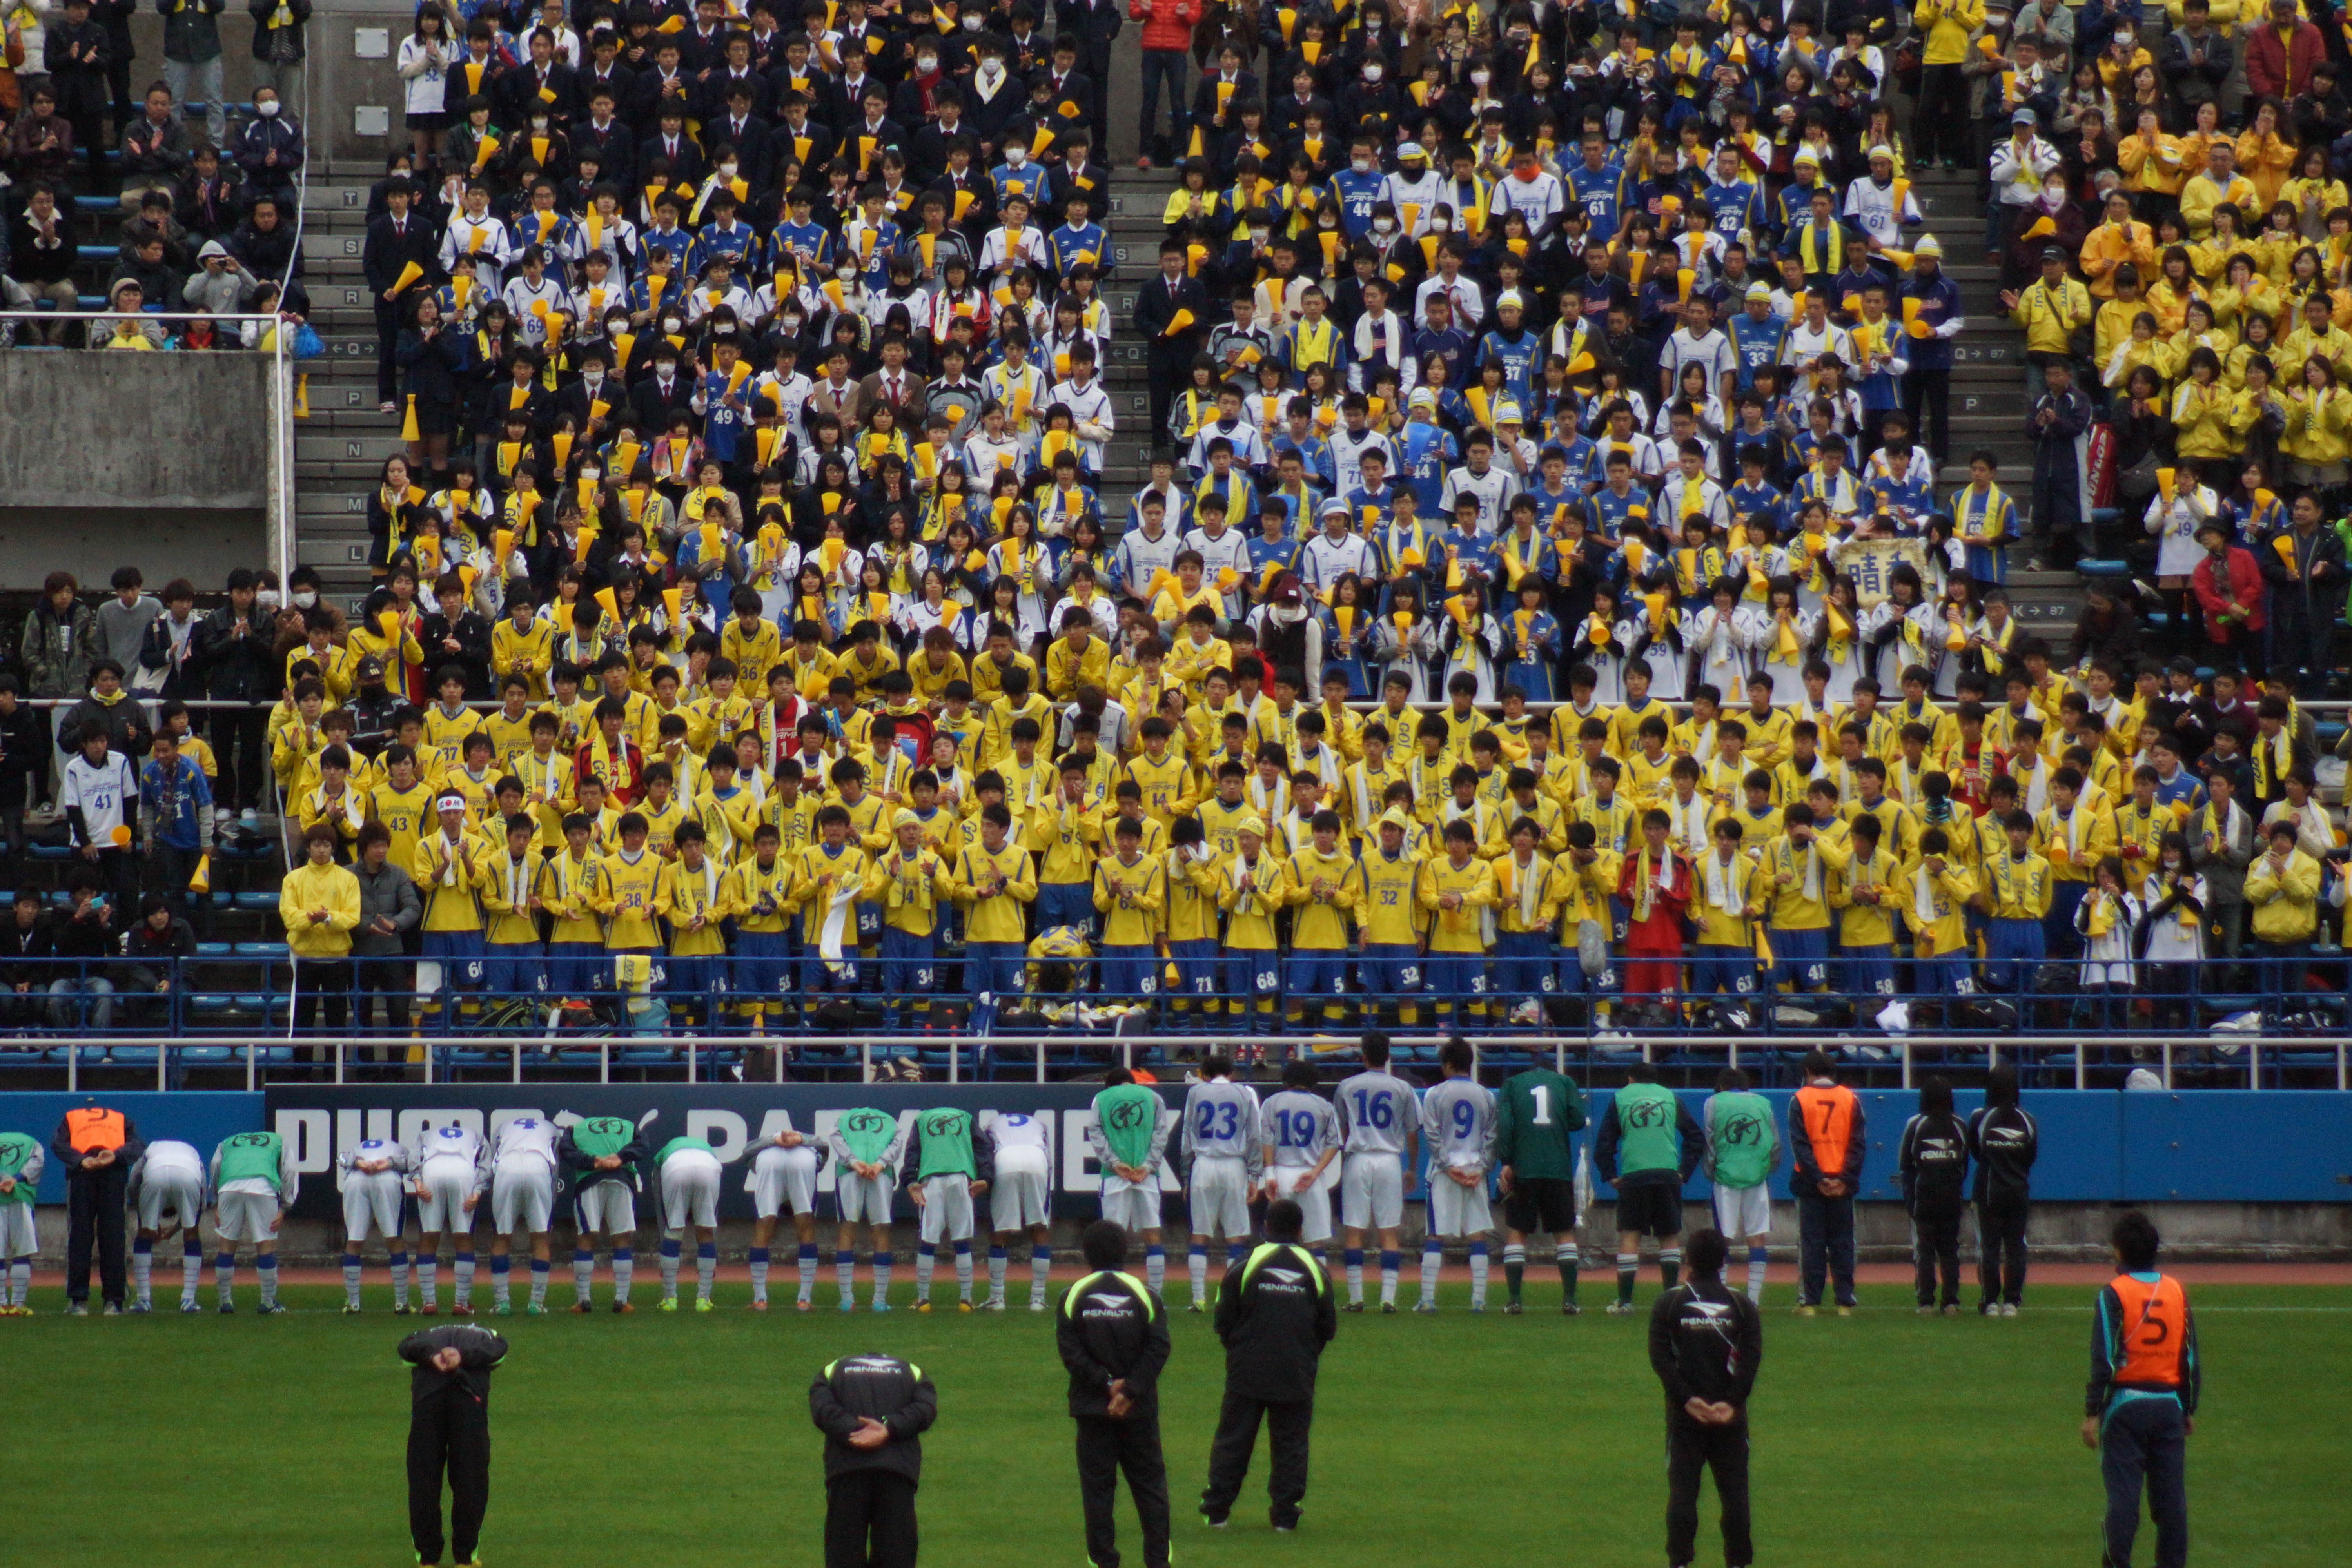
<point x="1518" y="357"/>
<point x="1755" y="344"/>
<point x="1731" y="209"/>
<point x="1598" y="191"/>
<point x="723" y="427"/>
<point x="1425" y="452"/>
<point x="1355" y="194"/>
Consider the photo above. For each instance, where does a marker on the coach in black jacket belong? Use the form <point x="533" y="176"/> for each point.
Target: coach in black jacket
<point x="873" y="1410"/>
<point x="1113" y="1336"/>
<point x="449" y="1429"/>
<point x="1275" y="1314"/>
<point x="1706" y="1344"/>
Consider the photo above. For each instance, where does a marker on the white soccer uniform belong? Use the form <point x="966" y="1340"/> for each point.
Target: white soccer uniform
<point x="783" y="1181"/>
<point x="947" y="1209"/>
<point x="169" y="1179"/>
<point x="1378" y="1111"/>
<point x="523" y="1176"/>
<point x="372" y="1198"/>
<point x="1223" y="1140"/>
<point x="866" y="1200"/>
<point x="690" y="1189"/>
<point x="606" y="1208"/>
<point x="1020" y="1195"/>
<point x="247" y="1209"/>
<point x="1133" y="1206"/>
<point x="1457" y="1129"/>
<point x="1304" y="1129"/>
<point x="448" y="1166"/>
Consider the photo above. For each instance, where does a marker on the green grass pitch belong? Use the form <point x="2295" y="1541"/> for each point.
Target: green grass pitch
<point x="1884" y="1439"/>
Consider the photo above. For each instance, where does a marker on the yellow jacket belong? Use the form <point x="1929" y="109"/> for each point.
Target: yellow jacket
<point x="2049" y="315"/>
<point x="2265" y="159"/>
<point x="1535" y="888"/>
<point x="2073" y="845"/>
<point x="1862" y="924"/>
<point x="453" y="905"/>
<point x="2285" y="902"/>
<point x="1066" y="670"/>
<point x="2200" y="195"/>
<point x="913" y="891"/>
<point x="1945" y="901"/>
<point x="2150" y="165"/>
<point x="2298" y="346"/>
<point x="1948" y="24"/>
<point x="1322" y="919"/>
<point x="507" y="892"/>
<point x="2200" y="420"/>
<point x="1724" y="917"/>
<point x="2316" y="419"/>
<point x="2108" y="247"/>
<point x="1461" y="930"/>
<point x="999" y="916"/>
<point x="307" y="888"/>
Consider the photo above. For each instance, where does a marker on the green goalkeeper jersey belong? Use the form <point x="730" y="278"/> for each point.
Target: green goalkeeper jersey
<point x="18" y="1149"/>
<point x="252" y="1157"/>
<point x="1536" y="1126"/>
<point x="1127" y="1115"/>
<point x="947" y="1144"/>
<point x="598" y="1136"/>
<point x="866" y="1134"/>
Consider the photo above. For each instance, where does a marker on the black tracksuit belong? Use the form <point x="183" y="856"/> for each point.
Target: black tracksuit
<point x="1934" y="1166"/>
<point x="449" y="1430"/>
<point x="1113" y="1329"/>
<point x="94" y="1201"/>
<point x="2003" y="1140"/>
<point x="869" y="1493"/>
<point x="1706" y="1343"/>
<point x="1275" y="1314"/>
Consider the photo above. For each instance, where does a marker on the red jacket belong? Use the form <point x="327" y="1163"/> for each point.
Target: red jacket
<point x="1168" y="24"/>
<point x="2280" y="67"/>
<point x="1662" y="930"/>
<point x="2244" y="594"/>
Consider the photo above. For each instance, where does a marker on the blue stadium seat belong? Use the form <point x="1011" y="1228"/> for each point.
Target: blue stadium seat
<point x="257" y="900"/>
<point x="260" y="950"/>
<point x="2090" y="568"/>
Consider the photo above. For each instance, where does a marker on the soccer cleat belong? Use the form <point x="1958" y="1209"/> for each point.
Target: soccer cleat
<point x="1570" y="1310"/>
<point x="993" y="1304"/>
<point x="190" y="1306"/>
<point x="533" y="1309"/>
<point x="270" y="1309"/>
<point x="227" y="1310"/>
<point x="1477" y="1311"/>
<point x="403" y="1310"/>
<point x="2009" y="1309"/>
<point x="582" y="1306"/>
<point x="430" y="1310"/>
<point x="350" y="1309"/>
<point x="1846" y="1311"/>
<point x="1511" y="1309"/>
<point x="1195" y="1307"/>
<point x="847" y="1305"/>
<point x="758" y="1306"/>
<point x="1036" y="1306"/>
<point x="964" y="1306"/>
<point x="1429" y="1308"/>
<point x="1387" y="1309"/>
<point x="922" y="1306"/>
<point x="1621" y="1309"/>
<point x="143" y="1307"/>
<point x="504" y="1309"/>
<point x="805" y="1305"/>
<point x="1353" y="1306"/>
<point x="1213" y="1521"/>
<point x="624" y="1307"/>
<point x="702" y="1303"/>
<point x="462" y="1310"/>
<point x="1951" y="1309"/>
<point x="1808" y="1311"/>
<point x="669" y="1304"/>
<point x="880" y="1305"/>
<point x="113" y="1310"/>
<point x="1925" y="1311"/>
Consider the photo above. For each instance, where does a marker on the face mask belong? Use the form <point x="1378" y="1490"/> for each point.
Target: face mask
<point x="727" y="171"/>
<point x="667" y="366"/>
<point x="305" y="599"/>
<point x="1382" y="225"/>
<point x="266" y="110"/>
<point x="847" y="274"/>
<point x="1261" y="235"/>
<point x="1480" y="78"/>
<point x="267" y="599"/>
<point x="538" y="122"/>
<point x="1362" y="165"/>
<point x="927" y="64"/>
<point x="1372" y="73"/>
<point x="971" y="24"/>
<point x="591" y="375"/>
<point x="791" y="323"/>
<point x="590" y="476"/>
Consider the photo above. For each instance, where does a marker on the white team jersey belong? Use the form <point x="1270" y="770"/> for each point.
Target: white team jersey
<point x="372" y="1149"/>
<point x="1457" y="1124"/>
<point x="526" y="1137"/>
<point x="1378" y="1111"/>
<point x="1301" y="1126"/>
<point x="168" y="1159"/>
<point x="447" y="1143"/>
<point x="1022" y="1137"/>
<point x="1221" y="1118"/>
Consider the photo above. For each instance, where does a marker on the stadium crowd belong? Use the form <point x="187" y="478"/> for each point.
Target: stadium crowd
<point x="1541" y="585"/>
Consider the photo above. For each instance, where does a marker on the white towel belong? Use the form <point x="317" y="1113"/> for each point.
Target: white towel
<point x="838" y="919"/>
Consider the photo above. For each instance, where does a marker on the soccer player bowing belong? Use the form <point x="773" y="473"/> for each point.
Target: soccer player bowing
<point x="1706" y="1344"/>
<point x="1113" y="1336"/>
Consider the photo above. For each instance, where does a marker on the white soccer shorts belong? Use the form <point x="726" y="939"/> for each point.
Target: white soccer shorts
<point x="16" y="1236"/>
<point x="246" y="1216"/>
<point x="609" y="1207"/>
<point x="372" y="1200"/>
<point x="1458" y="1210"/>
<point x="1018" y="1197"/>
<point x="782" y="1180"/>
<point x="1220" y="1198"/>
<point x="1132" y="1207"/>
<point x="947" y="1209"/>
<point x="1744" y="1211"/>
<point x="445" y="1180"/>
<point x="1371" y="1191"/>
<point x="180" y="1196"/>
<point x="522" y="1197"/>
<point x="863" y="1200"/>
<point x="689" y="1187"/>
<point x="1313" y="1201"/>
